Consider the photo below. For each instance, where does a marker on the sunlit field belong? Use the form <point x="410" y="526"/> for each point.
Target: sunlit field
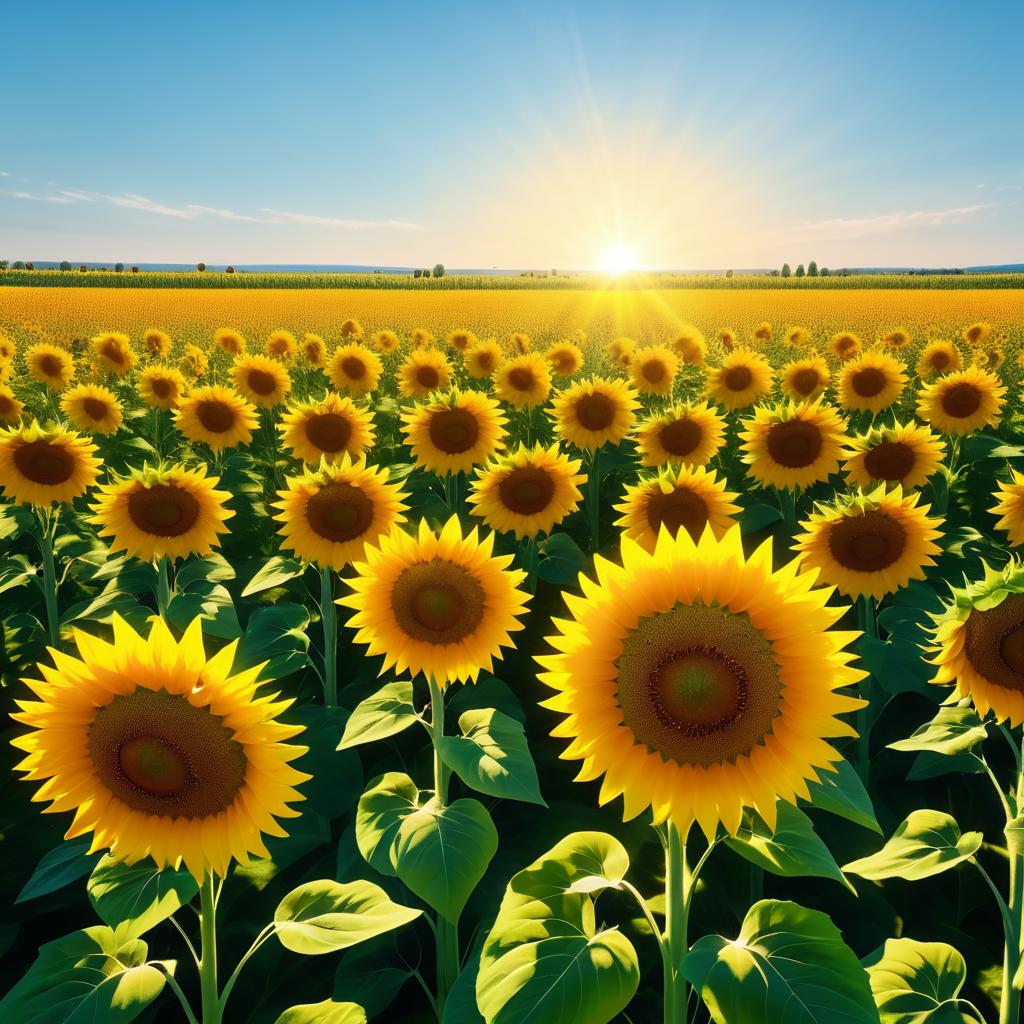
<point x="559" y="656"/>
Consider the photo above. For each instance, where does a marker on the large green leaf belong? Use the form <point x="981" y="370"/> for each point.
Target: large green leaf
<point x="842" y="792"/>
<point x="560" y="560"/>
<point x="211" y="568"/>
<point x="274" y="573"/>
<point x="277" y="636"/>
<point x="388" y="801"/>
<point x="327" y="1012"/>
<point x="387" y="712"/>
<point x="544" y="961"/>
<point x="212" y="603"/>
<point x="86" y="977"/>
<point x="321" y="917"/>
<point x="441" y="853"/>
<point x="953" y="730"/>
<point x="925" y="844"/>
<point x="792" y="850"/>
<point x="138" y="895"/>
<point x="919" y="982"/>
<point x="60" y="866"/>
<point x="492" y="756"/>
<point x="789" y="965"/>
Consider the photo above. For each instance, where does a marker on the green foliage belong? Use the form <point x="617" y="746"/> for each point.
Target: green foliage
<point x="388" y="712"/>
<point x="133" y="898"/>
<point x="327" y="1012"/>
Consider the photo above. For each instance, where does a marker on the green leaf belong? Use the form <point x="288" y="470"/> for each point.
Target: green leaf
<point x="897" y="666"/>
<point x="274" y="573"/>
<point x="88" y="976"/>
<point x="918" y="983"/>
<point x="336" y="778"/>
<point x="442" y="853"/>
<point x="544" y="961"/>
<point x="492" y="756"/>
<point x="560" y="560"/>
<point x="212" y="568"/>
<point x="487" y="692"/>
<point x="321" y="917"/>
<point x="928" y="765"/>
<point x="792" y="850"/>
<point x="460" y="1006"/>
<point x="277" y="636"/>
<point x="327" y="1012"/>
<point x="389" y="711"/>
<point x="789" y="965"/>
<point x="953" y="730"/>
<point x="841" y="792"/>
<point x="138" y="895"/>
<point x="69" y="861"/>
<point x="388" y="801"/>
<point x="925" y="844"/>
<point x="212" y="603"/>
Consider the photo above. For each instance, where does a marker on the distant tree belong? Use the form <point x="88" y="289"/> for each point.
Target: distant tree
<point x="3" y="264"/>
<point x="19" y="265"/>
<point x="118" y="268"/>
<point x="554" y="273"/>
<point x="30" y="266"/>
<point x="426" y="273"/>
<point x="812" y="269"/>
<point x="417" y="272"/>
<point x="773" y="273"/>
<point x="82" y="269"/>
<point x="135" y="270"/>
<point x="800" y="270"/>
<point x="438" y="270"/>
<point x="229" y="270"/>
<point x="200" y="267"/>
<point x="785" y="270"/>
<point x="64" y="265"/>
<point x="728" y="273"/>
<point x="823" y="271"/>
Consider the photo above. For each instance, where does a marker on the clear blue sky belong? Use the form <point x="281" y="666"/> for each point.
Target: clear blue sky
<point x="513" y="135"/>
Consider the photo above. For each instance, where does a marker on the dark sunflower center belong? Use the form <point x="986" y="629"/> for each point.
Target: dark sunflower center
<point x="868" y="382"/>
<point x="328" y="431"/>
<point x="353" y="367"/>
<point x="157" y="753"/>
<point x="44" y="463"/>
<point x="595" y="412"/>
<point x="521" y="378"/>
<point x="679" y="508"/>
<point x="868" y="543"/>
<point x="485" y="360"/>
<point x="6" y="405"/>
<point x="95" y="408"/>
<point x="564" y="363"/>
<point x="113" y="352"/>
<point x="940" y="360"/>
<point x="994" y="642"/>
<point x="427" y="377"/>
<point x="806" y="381"/>
<point x="163" y="510"/>
<point x="961" y="400"/>
<point x="50" y="365"/>
<point x="698" y="684"/>
<point x="339" y="512"/>
<point x="262" y="382"/>
<point x="527" y="491"/>
<point x="453" y="431"/>
<point x="161" y="387"/>
<point x="890" y="460"/>
<point x="437" y="602"/>
<point x="794" y="444"/>
<point x="654" y="371"/>
<point x="216" y="417"/>
<point x="737" y="378"/>
<point x="680" y="437"/>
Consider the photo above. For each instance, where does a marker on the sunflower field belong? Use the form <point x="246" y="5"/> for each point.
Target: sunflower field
<point x="559" y="658"/>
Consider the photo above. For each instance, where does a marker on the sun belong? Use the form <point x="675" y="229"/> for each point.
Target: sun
<point x="618" y="259"/>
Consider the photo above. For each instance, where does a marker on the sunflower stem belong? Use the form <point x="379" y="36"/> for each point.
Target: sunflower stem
<point x="678" y="881"/>
<point x="47" y="533"/>
<point x="329" y="620"/>
<point x="163" y="586"/>
<point x="594" y="499"/>
<point x="530" y="560"/>
<point x="208" y="953"/>
<point x="1009" y="1003"/>
<point x="869" y="627"/>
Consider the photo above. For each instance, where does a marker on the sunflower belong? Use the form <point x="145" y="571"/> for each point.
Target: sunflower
<point x="653" y="370"/>
<point x="7" y="348"/>
<point x="871" y="382"/>
<point x="742" y="379"/>
<point x="230" y="340"/>
<point x="523" y="381"/>
<point x="906" y="454"/>
<point x="845" y="345"/>
<point x="797" y="337"/>
<point x="10" y="407"/>
<point x="114" y="353"/>
<point x="160" y="752"/>
<point x="196" y="361"/>
<point x="40" y="465"/>
<point x="161" y="387"/>
<point x="217" y="417"/>
<point x="352" y="329"/>
<point x="520" y="343"/>
<point x="976" y="334"/>
<point x="897" y="338"/>
<point x="167" y="511"/>
<point x="262" y="380"/>
<point x="528" y="491"/>
<point x="689" y="343"/>
<point x="423" y="371"/>
<point x="355" y="368"/>
<point x="677" y="497"/>
<point x="328" y="428"/>
<point x="1011" y="508"/>
<point x="443" y="605"/>
<point x="50" y="365"/>
<point x="699" y="682"/>
<point x="565" y="359"/>
<point x="6" y="370"/>
<point x="280" y="345"/>
<point x="962" y="402"/>
<point x="461" y="340"/>
<point x="594" y="412"/>
<point x="726" y="338"/>
<point x="420" y="337"/>
<point x="618" y="348"/>
<point x="157" y="343"/>
<point x="762" y="333"/>
<point x="454" y="432"/>
<point x="688" y="435"/>
<point x="979" y="643"/>
<point x="938" y="357"/>
<point x="385" y="342"/>
<point x="869" y="543"/>
<point x="805" y="378"/>
<point x="483" y="359"/>
<point x="313" y="349"/>
<point x="92" y="408"/>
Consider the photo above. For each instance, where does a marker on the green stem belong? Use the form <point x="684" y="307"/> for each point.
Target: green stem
<point x="212" y="1009"/>
<point x="868" y="626"/>
<point x="678" y="881"/>
<point x="1009" y="1004"/>
<point x="329" y="620"/>
<point x="47" y="532"/>
<point x="530" y="563"/>
<point x="163" y="586"/>
<point x="594" y="499"/>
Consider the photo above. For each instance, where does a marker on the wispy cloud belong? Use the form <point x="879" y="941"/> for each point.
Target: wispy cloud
<point x="285" y="217"/>
<point x="4" y="174"/>
<point x="887" y="223"/>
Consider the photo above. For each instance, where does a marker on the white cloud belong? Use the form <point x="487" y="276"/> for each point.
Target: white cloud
<point x="4" y="174"/>
<point x="887" y="223"/>
<point x="285" y="217"/>
<point x="34" y="198"/>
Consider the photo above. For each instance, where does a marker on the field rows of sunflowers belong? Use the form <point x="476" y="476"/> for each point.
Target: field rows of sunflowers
<point x="611" y="665"/>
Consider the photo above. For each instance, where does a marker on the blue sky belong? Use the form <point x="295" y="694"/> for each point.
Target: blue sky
<point x="514" y="135"/>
